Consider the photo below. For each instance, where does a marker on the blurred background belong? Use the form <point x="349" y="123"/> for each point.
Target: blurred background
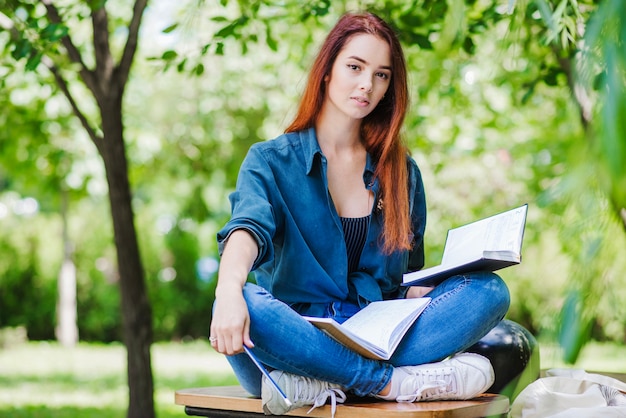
<point x="512" y="102"/>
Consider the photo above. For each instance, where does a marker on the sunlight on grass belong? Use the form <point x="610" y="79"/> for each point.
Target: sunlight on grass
<point x="596" y="357"/>
<point x="44" y="380"/>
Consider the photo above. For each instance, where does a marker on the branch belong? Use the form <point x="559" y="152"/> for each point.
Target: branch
<point x="579" y="93"/>
<point x="131" y="43"/>
<point x="97" y="140"/>
<point x="72" y="52"/>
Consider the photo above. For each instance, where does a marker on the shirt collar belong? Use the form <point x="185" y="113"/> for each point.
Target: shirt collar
<point x="368" y="173"/>
<point x="311" y="148"/>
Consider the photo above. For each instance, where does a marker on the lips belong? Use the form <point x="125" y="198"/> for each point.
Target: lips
<point x="361" y="100"/>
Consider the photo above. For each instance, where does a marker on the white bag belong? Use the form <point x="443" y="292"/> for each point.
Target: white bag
<point x="571" y="393"/>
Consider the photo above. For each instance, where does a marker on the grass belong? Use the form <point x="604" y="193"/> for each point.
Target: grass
<point x="44" y="380"/>
<point x="595" y="357"/>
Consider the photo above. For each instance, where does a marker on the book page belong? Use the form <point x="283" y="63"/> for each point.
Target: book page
<point x="377" y="322"/>
<point x="502" y="232"/>
<point x="350" y="340"/>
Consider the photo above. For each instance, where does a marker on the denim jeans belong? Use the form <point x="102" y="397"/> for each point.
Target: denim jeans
<point x="463" y="309"/>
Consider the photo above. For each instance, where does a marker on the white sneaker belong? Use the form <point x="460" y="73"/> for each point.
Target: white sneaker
<point x="301" y="391"/>
<point x="463" y="376"/>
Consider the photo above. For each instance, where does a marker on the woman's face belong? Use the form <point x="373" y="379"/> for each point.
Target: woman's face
<point x="360" y="76"/>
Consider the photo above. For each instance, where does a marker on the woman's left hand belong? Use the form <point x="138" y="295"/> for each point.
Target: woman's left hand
<point x="418" y="291"/>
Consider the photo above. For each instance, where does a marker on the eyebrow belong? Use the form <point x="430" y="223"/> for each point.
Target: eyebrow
<point x="354" y="57"/>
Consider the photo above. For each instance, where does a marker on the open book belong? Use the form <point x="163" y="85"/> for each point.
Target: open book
<point x="487" y="245"/>
<point x="376" y="330"/>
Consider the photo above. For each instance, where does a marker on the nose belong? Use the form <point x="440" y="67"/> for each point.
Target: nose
<point x="366" y="84"/>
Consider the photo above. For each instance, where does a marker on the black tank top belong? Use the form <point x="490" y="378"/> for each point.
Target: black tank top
<point x="355" y="234"/>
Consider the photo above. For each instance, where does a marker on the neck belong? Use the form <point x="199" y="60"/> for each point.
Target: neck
<point x="338" y="134"/>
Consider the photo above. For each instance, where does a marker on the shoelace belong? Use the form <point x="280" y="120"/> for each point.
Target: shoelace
<point x="335" y="395"/>
<point x="613" y="396"/>
<point x="436" y="382"/>
<point x="310" y="391"/>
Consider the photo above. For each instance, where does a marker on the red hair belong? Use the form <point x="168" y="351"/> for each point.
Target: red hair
<point x="380" y="129"/>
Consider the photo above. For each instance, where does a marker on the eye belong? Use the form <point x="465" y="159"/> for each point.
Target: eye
<point x="382" y="75"/>
<point x="353" y="67"/>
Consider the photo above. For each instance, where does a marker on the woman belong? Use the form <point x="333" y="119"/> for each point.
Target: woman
<point x="329" y="216"/>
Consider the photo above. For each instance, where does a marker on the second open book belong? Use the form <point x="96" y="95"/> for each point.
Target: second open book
<point x="489" y="244"/>
<point x="376" y="330"/>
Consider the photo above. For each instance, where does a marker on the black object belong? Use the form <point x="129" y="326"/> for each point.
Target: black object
<point x="219" y="413"/>
<point x="514" y="355"/>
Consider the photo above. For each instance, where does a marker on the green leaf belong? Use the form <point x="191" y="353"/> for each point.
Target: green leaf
<point x="320" y="8"/>
<point x="22" y="49"/>
<point x="551" y="78"/>
<point x="529" y="93"/>
<point x="545" y="11"/>
<point x="226" y="31"/>
<point x="181" y="65"/>
<point x="198" y="69"/>
<point x="468" y="45"/>
<point x="53" y="32"/>
<point x="271" y="43"/>
<point x="612" y="139"/>
<point x="575" y="331"/>
<point x="231" y="28"/>
<point x="33" y="61"/>
<point x="169" y="55"/>
<point x="170" y="28"/>
<point x="219" y="48"/>
<point x="421" y="40"/>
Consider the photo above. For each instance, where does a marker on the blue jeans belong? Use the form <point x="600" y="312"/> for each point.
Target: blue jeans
<point x="464" y="308"/>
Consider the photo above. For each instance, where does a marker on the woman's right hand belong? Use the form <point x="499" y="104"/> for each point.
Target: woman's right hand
<point x="230" y="325"/>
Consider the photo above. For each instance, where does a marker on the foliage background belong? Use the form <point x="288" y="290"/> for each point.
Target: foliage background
<point x="493" y="124"/>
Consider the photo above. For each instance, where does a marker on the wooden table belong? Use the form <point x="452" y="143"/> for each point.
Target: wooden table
<point x="234" y="402"/>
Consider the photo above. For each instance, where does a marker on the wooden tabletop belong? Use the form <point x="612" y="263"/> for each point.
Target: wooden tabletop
<point x="234" y="398"/>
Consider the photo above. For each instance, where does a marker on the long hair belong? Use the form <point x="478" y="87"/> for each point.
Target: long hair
<point x="380" y="129"/>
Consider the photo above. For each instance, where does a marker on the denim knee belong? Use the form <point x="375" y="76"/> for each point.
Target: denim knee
<point x="498" y="291"/>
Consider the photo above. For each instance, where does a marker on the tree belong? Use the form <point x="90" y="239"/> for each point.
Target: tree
<point x="584" y="43"/>
<point x="40" y="35"/>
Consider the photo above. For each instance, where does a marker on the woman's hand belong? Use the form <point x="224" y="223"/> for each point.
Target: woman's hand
<point x="230" y="326"/>
<point x="418" y="291"/>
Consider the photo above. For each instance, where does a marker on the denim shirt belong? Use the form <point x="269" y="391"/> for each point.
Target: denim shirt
<point x="282" y="199"/>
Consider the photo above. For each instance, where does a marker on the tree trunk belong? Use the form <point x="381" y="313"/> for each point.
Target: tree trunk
<point x="136" y="311"/>
<point x="67" y="328"/>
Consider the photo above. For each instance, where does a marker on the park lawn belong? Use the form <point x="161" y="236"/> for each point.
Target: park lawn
<point x="44" y="380"/>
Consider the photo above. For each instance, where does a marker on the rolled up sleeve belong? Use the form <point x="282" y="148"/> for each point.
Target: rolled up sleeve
<point x="251" y="206"/>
